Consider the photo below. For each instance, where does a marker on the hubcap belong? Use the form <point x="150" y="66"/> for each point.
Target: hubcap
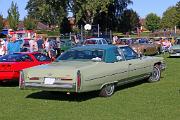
<point x="109" y="89"/>
<point x="155" y="74"/>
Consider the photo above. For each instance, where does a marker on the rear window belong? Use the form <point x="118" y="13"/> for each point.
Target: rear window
<point x="87" y="42"/>
<point x="15" y="58"/>
<point x="81" y="55"/>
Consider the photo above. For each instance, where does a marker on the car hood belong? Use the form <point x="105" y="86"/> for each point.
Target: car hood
<point x="175" y="47"/>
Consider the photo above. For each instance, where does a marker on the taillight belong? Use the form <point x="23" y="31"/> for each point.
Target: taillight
<point x="21" y="80"/>
<point x="78" y="80"/>
<point x="34" y="78"/>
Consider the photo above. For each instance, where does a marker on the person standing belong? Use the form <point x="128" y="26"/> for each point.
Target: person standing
<point x="14" y="45"/>
<point x="40" y="44"/>
<point x="2" y="47"/>
<point x="33" y="45"/>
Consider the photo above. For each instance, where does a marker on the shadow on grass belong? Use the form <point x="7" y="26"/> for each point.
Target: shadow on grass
<point x="76" y="97"/>
<point x="62" y="96"/>
<point x="13" y="83"/>
<point x="130" y="85"/>
<point x="173" y="57"/>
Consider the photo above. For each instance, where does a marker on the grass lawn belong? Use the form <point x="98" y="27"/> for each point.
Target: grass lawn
<point x="137" y="101"/>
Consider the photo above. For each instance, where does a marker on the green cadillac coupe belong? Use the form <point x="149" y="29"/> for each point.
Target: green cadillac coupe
<point x="93" y="68"/>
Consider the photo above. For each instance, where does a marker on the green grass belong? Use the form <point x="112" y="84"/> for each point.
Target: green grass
<point x="137" y="101"/>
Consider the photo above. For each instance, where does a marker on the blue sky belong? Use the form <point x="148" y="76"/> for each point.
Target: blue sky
<point x="142" y="7"/>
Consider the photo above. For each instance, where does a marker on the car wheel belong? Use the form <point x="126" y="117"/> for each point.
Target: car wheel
<point x="107" y="90"/>
<point x="155" y="75"/>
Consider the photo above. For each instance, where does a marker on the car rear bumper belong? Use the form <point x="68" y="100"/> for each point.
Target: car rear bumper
<point x="65" y="87"/>
<point x="9" y="75"/>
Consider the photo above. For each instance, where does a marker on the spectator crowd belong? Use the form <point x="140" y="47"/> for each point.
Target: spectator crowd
<point x="11" y="44"/>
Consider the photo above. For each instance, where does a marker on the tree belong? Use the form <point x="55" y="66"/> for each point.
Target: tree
<point x="29" y="23"/>
<point x="120" y="6"/>
<point x="152" y="22"/>
<point x="50" y="12"/>
<point x="178" y="13"/>
<point x="1" y="22"/>
<point x="129" y="21"/>
<point x="107" y="14"/>
<point x="169" y="19"/>
<point x="13" y="16"/>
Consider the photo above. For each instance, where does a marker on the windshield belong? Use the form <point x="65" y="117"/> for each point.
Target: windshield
<point x="82" y="55"/>
<point x="15" y="58"/>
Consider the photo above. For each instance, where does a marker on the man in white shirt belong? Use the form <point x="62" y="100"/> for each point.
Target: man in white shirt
<point x="33" y="45"/>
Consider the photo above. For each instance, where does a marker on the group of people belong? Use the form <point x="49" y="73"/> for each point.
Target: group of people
<point x="48" y="46"/>
<point x="10" y="45"/>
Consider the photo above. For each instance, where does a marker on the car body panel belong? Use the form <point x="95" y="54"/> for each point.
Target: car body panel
<point x="145" y="49"/>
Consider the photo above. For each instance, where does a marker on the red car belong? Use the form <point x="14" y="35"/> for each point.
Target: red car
<point x="12" y="64"/>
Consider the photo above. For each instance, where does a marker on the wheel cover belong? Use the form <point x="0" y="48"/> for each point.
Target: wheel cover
<point x="109" y="90"/>
<point x="155" y="74"/>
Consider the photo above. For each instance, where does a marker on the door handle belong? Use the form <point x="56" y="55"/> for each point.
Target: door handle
<point x="130" y="63"/>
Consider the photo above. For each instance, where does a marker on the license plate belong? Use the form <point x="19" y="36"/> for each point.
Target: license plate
<point x="49" y="81"/>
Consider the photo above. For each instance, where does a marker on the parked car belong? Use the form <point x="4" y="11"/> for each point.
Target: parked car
<point x="145" y="47"/>
<point x="91" y="68"/>
<point x="65" y="44"/>
<point x="175" y="49"/>
<point x="95" y="41"/>
<point x="12" y="64"/>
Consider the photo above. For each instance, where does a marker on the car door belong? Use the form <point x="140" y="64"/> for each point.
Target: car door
<point x="137" y="66"/>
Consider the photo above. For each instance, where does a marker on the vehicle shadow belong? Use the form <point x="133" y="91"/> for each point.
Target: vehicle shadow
<point x="130" y="85"/>
<point x="9" y="84"/>
<point x="62" y="96"/>
<point x="76" y="97"/>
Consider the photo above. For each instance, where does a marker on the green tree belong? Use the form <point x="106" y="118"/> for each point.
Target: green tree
<point x="169" y="19"/>
<point x="152" y="22"/>
<point x="13" y="16"/>
<point x="129" y="21"/>
<point x="50" y="12"/>
<point x="29" y="23"/>
<point x="1" y="22"/>
<point x="178" y="14"/>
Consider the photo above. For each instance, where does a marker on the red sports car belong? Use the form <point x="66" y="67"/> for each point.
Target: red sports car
<point x="12" y="64"/>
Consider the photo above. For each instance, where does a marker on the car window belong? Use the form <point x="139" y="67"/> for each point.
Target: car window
<point x="120" y="54"/>
<point x="128" y="53"/>
<point x="90" y="42"/>
<point x="26" y="58"/>
<point x="16" y="57"/>
<point x="41" y="57"/>
<point x="81" y="55"/>
<point x="99" y="42"/>
<point x="104" y="41"/>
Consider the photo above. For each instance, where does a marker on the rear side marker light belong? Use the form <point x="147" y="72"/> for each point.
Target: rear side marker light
<point x="34" y="78"/>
